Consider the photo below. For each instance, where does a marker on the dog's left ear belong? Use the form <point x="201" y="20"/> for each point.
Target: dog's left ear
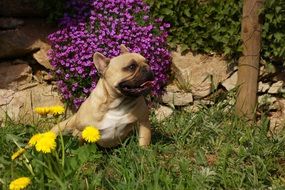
<point x="124" y="49"/>
<point x="100" y="62"/>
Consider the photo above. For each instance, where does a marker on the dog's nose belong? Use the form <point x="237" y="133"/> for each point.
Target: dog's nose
<point x="148" y="73"/>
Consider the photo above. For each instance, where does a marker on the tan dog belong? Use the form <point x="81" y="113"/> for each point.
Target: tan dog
<point x="117" y="100"/>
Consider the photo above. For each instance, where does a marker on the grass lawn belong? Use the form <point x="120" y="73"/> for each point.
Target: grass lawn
<point x="211" y="149"/>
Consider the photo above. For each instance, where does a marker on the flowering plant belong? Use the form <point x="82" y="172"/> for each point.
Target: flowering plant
<point x="102" y="26"/>
<point x="91" y="134"/>
<point x="20" y="183"/>
<point x="53" y="110"/>
<point x="51" y="159"/>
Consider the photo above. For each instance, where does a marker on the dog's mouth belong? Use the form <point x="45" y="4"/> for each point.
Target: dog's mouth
<point x="136" y="90"/>
<point x="139" y="85"/>
<point x="129" y="88"/>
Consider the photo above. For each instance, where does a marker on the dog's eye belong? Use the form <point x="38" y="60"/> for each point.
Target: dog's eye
<point x="132" y="67"/>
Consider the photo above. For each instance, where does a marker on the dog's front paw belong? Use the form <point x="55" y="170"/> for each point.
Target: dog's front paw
<point x="144" y="142"/>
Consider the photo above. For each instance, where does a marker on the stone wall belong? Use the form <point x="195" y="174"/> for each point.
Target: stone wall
<point x="199" y="80"/>
<point x="25" y="81"/>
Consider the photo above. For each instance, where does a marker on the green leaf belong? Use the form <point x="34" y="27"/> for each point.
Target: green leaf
<point x="187" y="12"/>
<point x="166" y="11"/>
<point x="200" y="157"/>
<point x="184" y="47"/>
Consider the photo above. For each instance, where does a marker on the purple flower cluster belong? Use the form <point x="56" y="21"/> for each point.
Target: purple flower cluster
<point x="102" y="26"/>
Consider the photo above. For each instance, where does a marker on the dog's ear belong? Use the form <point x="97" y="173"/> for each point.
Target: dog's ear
<point x="124" y="49"/>
<point x="100" y="62"/>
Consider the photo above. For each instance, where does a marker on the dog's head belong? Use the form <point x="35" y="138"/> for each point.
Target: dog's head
<point x="129" y="74"/>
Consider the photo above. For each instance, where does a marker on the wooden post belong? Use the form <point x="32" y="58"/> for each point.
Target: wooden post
<point x="248" y="68"/>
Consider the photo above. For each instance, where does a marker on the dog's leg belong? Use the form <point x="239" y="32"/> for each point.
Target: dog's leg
<point x="144" y="133"/>
<point x="64" y="126"/>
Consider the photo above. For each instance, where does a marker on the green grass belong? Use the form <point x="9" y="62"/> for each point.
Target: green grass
<point x="211" y="149"/>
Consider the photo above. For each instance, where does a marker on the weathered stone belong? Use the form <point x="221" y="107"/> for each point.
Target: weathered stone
<point x="28" y="85"/>
<point x="21" y="8"/>
<point x="280" y="76"/>
<point x="172" y="88"/>
<point x="10" y="23"/>
<point x="275" y="87"/>
<point x="15" y="43"/>
<point x="14" y="76"/>
<point x="230" y="83"/>
<point x="199" y="72"/>
<point x="262" y="71"/>
<point x="163" y="112"/>
<point x="193" y="108"/>
<point x="267" y="101"/>
<point x="277" y="119"/>
<point x="47" y="76"/>
<point x="41" y="56"/>
<point x="20" y="104"/>
<point x="177" y="98"/>
<point x="263" y="87"/>
<point x="207" y="102"/>
<point x="6" y="96"/>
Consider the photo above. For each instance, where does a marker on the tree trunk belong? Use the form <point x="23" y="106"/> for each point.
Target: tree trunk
<point x="248" y="68"/>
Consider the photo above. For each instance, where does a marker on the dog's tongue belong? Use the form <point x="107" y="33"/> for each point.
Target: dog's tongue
<point x="147" y="83"/>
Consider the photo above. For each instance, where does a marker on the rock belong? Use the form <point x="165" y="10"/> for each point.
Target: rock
<point x="276" y="87"/>
<point x="14" y="43"/>
<point x="230" y="83"/>
<point x="267" y="102"/>
<point x="20" y="8"/>
<point x="177" y="98"/>
<point x="163" y="112"/>
<point x="47" y="76"/>
<point x="172" y="88"/>
<point x="20" y="104"/>
<point x="14" y="76"/>
<point x="262" y="71"/>
<point x="193" y="108"/>
<point x="23" y="40"/>
<point x="263" y="87"/>
<point x="207" y="102"/>
<point x="197" y="105"/>
<point x="28" y="85"/>
<point x="6" y="96"/>
<point x="199" y="72"/>
<point x="277" y="119"/>
<point x="10" y="23"/>
<point x="280" y="76"/>
<point x="41" y="56"/>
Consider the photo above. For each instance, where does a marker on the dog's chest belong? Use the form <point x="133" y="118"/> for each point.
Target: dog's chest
<point x="115" y="123"/>
<point x="116" y="118"/>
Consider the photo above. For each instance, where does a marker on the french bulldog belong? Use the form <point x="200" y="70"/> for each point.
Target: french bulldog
<point x="117" y="102"/>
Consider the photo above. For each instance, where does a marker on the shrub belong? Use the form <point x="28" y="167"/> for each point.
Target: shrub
<point x="273" y="35"/>
<point x="101" y="26"/>
<point x="203" y="26"/>
<point x="215" y="25"/>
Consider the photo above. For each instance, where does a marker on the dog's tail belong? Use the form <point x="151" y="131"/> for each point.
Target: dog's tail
<point x="66" y="126"/>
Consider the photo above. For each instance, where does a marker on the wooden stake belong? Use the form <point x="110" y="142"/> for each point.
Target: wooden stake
<point x="248" y="68"/>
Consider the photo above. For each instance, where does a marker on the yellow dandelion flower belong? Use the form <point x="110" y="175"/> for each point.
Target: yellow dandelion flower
<point x="42" y="110"/>
<point x="91" y="134"/>
<point x="46" y="142"/>
<point x="19" y="183"/>
<point x="33" y="141"/>
<point x="18" y="153"/>
<point x="56" y="110"/>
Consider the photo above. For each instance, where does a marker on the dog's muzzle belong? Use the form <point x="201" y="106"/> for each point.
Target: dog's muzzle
<point x="140" y="85"/>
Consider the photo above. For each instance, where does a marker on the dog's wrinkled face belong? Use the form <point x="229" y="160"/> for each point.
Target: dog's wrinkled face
<point x="128" y="73"/>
